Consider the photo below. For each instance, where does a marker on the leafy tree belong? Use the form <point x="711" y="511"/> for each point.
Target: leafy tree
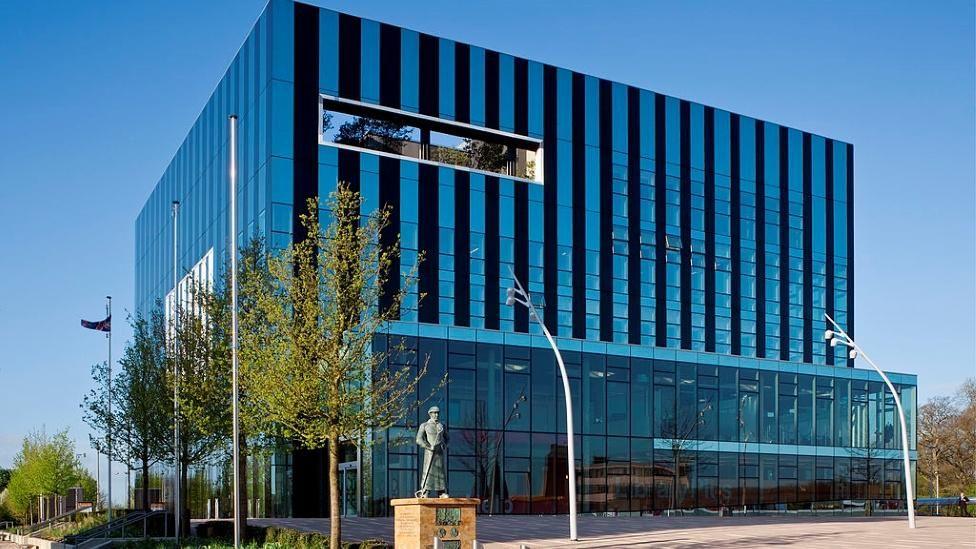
<point x="45" y="466"/>
<point x="4" y="478"/>
<point x="307" y="362"/>
<point x="203" y="375"/>
<point x="142" y="406"/>
<point x="372" y="133"/>
<point x="492" y="157"/>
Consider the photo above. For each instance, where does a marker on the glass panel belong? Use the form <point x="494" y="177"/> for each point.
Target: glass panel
<point x="400" y="133"/>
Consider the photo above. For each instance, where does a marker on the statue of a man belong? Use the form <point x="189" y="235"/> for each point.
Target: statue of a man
<point x="432" y="437"/>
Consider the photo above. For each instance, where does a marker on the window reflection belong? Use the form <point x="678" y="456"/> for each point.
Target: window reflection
<point x="509" y="452"/>
<point x="396" y="132"/>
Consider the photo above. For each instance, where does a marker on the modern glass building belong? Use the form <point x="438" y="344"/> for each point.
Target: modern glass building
<point x="683" y="255"/>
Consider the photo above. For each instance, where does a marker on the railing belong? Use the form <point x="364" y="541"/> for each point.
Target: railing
<point x="37" y="527"/>
<point x="945" y="507"/>
<point x="847" y="507"/>
<point x="135" y="524"/>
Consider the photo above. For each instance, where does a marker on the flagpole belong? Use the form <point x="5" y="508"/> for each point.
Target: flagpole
<point x="177" y="477"/>
<point x="232" y="176"/>
<point x="98" y="479"/>
<point x="108" y="309"/>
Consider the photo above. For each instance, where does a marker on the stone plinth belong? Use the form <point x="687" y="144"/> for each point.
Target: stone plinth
<point x="418" y="520"/>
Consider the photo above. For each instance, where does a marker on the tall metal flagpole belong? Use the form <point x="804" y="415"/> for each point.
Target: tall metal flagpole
<point x="177" y="478"/>
<point x="98" y="478"/>
<point x="232" y="176"/>
<point x="108" y="310"/>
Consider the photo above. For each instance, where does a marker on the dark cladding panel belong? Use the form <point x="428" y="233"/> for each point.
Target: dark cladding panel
<point x="428" y="243"/>
<point x="807" y="250"/>
<point x="389" y="197"/>
<point x="606" y="207"/>
<point x="829" y="238"/>
<point x="429" y="75"/>
<point x="579" y="211"/>
<point x="660" y="224"/>
<point x="850" y="246"/>
<point x="760" y="240"/>
<point x="462" y="82"/>
<point x="350" y="54"/>
<point x="735" y="205"/>
<point x="390" y="66"/>
<point x="492" y="252"/>
<point x="709" y="229"/>
<point x="634" y="216"/>
<point x="462" y="248"/>
<point x="550" y="248"/>
<point x="685" y="141"/>
<point x="492" y="89"/>
<point x="306" y="101"/>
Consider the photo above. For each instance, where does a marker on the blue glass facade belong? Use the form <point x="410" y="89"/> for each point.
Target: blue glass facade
<point x="684" y="255"/>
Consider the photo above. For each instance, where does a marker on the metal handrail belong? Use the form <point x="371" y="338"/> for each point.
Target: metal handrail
<point x="105" y="530"/>
<point x="31" y="529"/>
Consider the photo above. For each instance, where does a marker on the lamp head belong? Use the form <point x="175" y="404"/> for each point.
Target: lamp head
<point x="828" y="335"/>
<point x="833" y="342"/>
<point x="853" y="354"/>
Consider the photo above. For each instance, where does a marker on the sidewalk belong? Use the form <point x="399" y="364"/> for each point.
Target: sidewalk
<point x="509" y="532"/>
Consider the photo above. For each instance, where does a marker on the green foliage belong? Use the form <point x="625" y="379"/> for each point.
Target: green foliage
<point x="202" y="380"/>
<point x="84" y="522"/>
<point x="306" y="338"/>
<point x="371" y="133"/>
<point x="46" y="465"/>
<point x="4" y="478"/>
<point x="204" y="375"/>
<point x="141" y="418"/>
<point x="307" y="362"/>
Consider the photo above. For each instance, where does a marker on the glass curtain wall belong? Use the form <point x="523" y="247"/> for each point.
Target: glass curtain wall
<point x="651" y="435"/>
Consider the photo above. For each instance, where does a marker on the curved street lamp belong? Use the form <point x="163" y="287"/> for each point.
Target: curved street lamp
<point x="520" y="296"/>
<point x="840" y="337"/>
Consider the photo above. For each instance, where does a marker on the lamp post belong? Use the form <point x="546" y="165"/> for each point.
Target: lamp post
<point x="840" y="337"/>
<point x="519" y="295"/>
<point x="513" y="414"/>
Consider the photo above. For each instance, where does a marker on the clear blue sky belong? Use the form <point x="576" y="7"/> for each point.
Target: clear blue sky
<point x="95" y="97"/>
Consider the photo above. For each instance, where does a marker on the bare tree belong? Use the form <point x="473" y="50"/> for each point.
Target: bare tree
<point x="947" y="440"/>
<point x="680" y="434"/>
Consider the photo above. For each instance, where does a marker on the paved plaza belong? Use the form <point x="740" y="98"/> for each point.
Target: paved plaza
<point x="504" y="532"/>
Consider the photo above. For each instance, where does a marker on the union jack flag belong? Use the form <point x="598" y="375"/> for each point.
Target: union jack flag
<point x="101" y="325"/>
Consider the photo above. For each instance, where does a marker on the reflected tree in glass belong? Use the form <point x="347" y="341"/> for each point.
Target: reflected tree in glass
<point x="680" y="436"/>
<point x="371" y="133"/>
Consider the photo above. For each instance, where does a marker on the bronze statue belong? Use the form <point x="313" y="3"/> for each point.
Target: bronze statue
<point x="432" y="437"/>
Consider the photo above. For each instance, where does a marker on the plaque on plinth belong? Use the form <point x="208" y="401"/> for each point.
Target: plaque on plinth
<point x="417" y="521"/>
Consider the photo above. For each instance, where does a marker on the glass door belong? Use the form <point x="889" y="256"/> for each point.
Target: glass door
<point x="349" y="485"/>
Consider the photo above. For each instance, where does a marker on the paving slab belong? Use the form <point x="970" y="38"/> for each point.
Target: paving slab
<point x="513" y="532"/>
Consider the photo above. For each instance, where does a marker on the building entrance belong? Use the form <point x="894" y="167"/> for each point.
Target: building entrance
<point x="349" y="486"/>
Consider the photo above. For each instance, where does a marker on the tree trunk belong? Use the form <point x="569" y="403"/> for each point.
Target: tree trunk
<point x="242" y="497"/>
<point x="145" y="485"/>
<point x="335" y="524"/>
<point x="184" y="500"/>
